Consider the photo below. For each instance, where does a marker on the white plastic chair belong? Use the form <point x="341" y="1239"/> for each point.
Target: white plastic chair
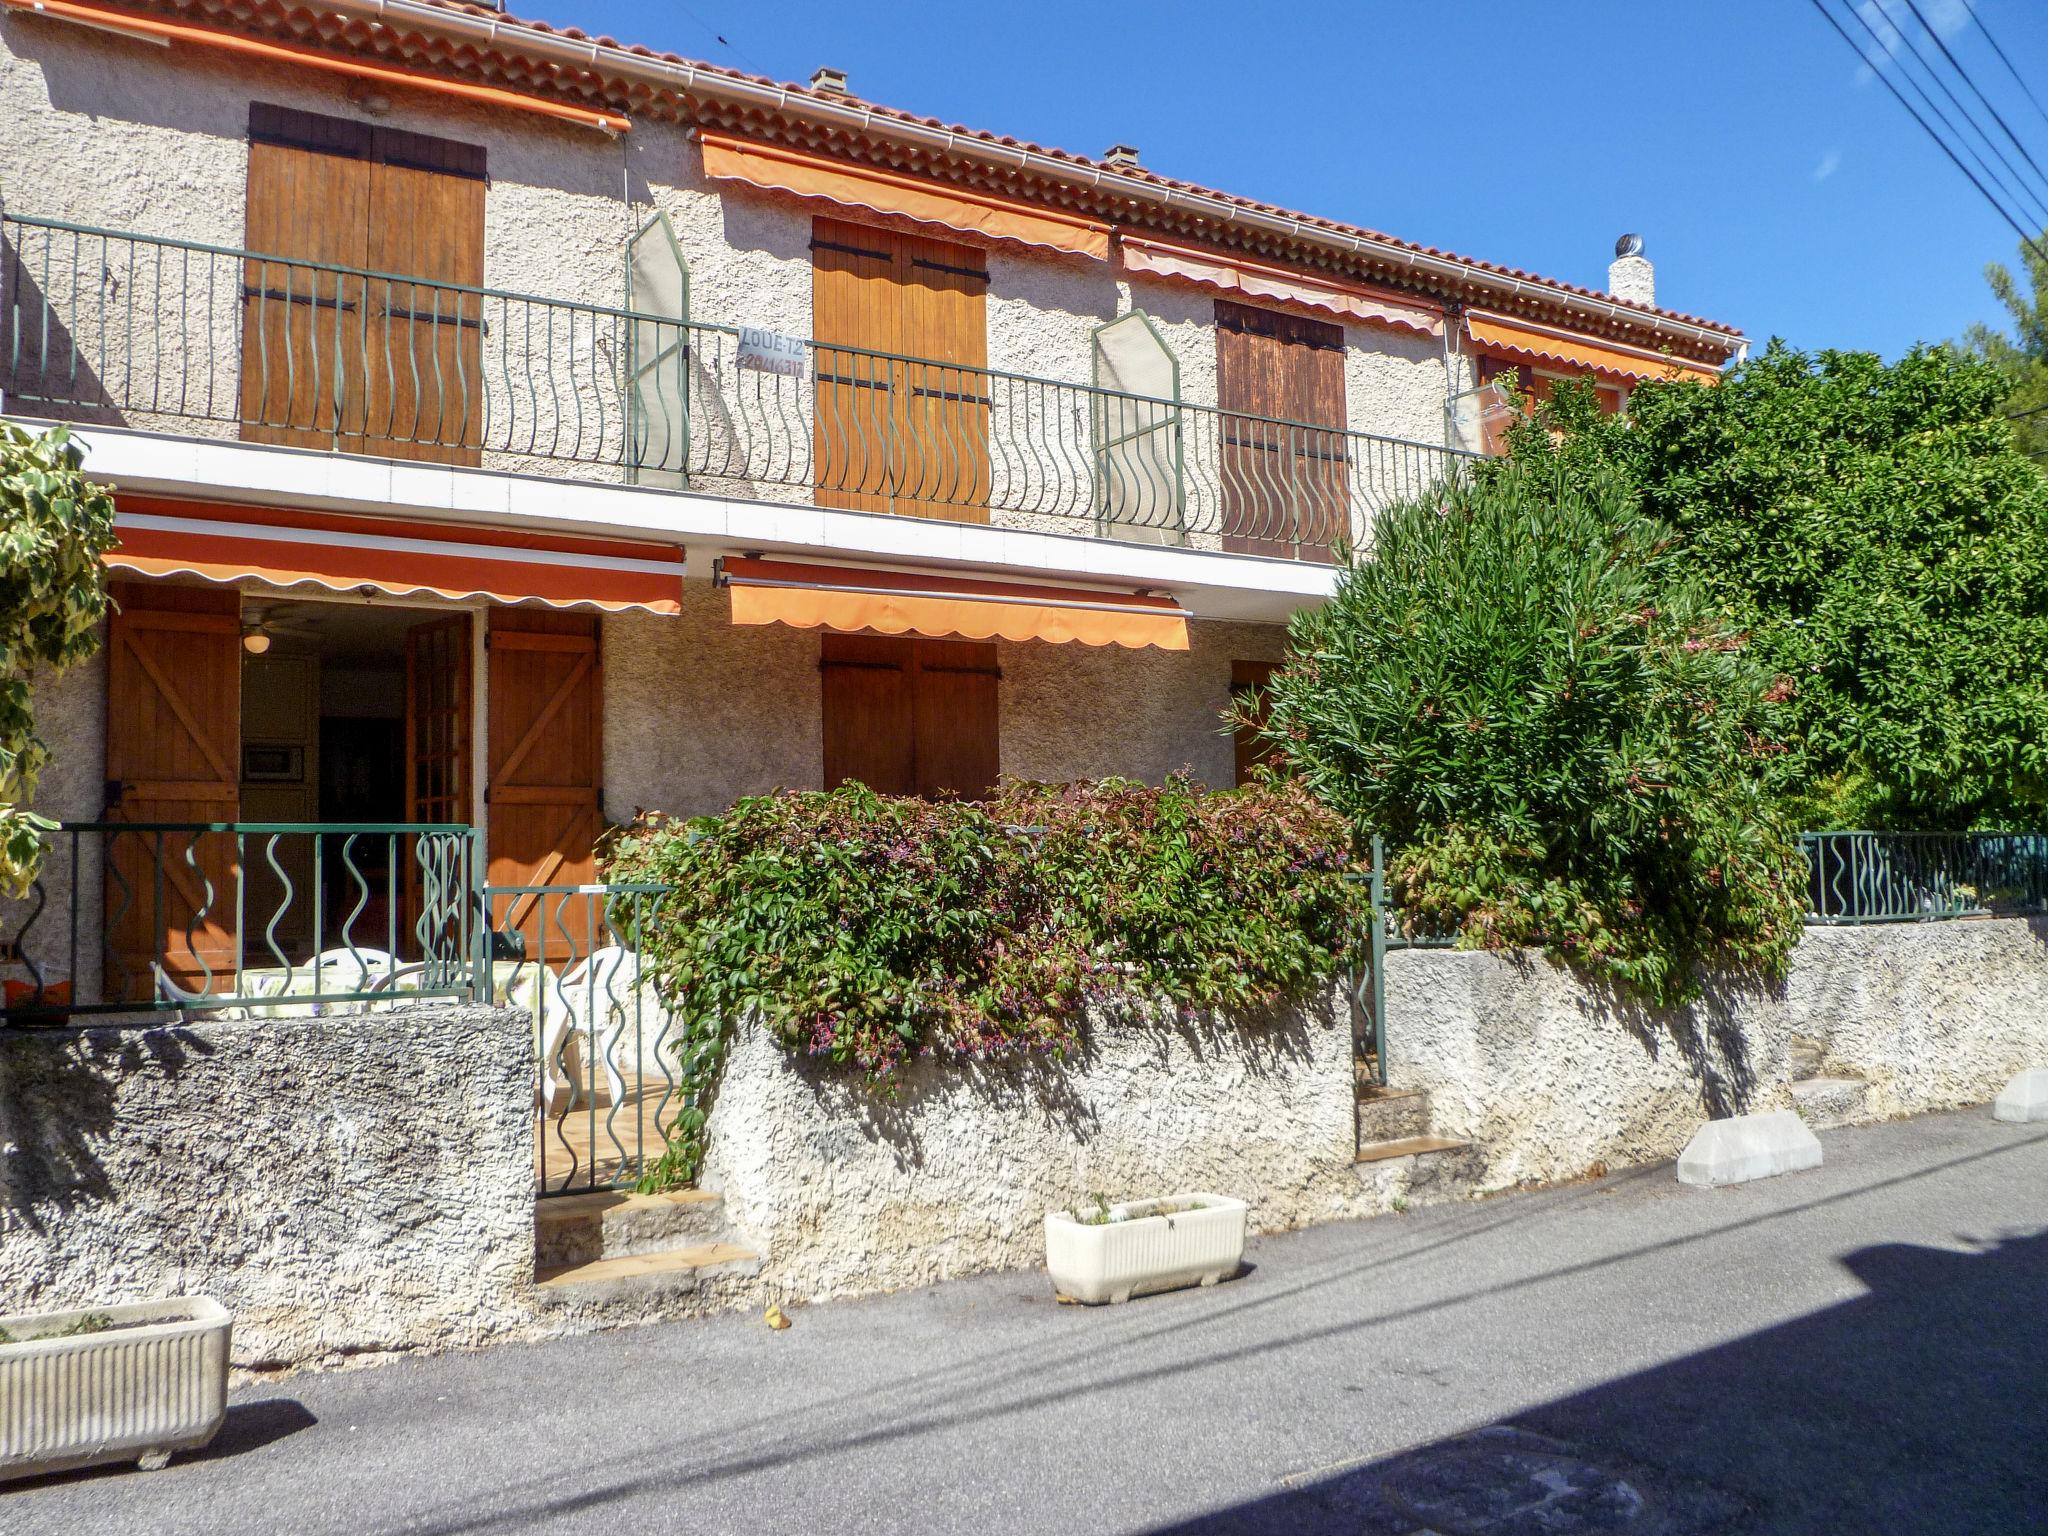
<point x="592" y="1000"/>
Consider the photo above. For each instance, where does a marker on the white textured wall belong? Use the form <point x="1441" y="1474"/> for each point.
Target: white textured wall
<point x="842" y="1191"/>
<point x="700" y="711"/>
<point x="1550" y="1076"/>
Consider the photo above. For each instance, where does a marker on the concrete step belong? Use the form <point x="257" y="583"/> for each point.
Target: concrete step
<point x="642" y="1277"/>
<point x="1408" y="1146"/>
<point x="1389" y="1114"/>
<point x="1827" y="1101"/>
<point x="581" y="1229"/>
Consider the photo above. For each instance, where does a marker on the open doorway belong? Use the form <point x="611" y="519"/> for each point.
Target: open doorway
<point x="353" y="714"/>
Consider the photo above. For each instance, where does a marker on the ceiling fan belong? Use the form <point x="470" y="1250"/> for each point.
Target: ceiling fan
<point x="260" y="626"/>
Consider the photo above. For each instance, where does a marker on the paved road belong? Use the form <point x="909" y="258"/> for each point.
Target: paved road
<point x="1862" y="1348"/>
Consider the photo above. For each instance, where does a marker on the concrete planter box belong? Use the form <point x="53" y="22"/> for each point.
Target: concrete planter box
<point x="153" y="1382"/>
<point x="1146" y="1246"/>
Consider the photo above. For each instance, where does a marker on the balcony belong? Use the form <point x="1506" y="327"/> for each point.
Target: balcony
<point x="109" y="328"/>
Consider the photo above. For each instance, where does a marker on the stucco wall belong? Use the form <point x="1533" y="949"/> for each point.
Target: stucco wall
<point x="344" y="1186"/>
<point x="842" y="1191"/>
<point x="1549" y="1076"/>
<point x="700" y="711"/>
<point x="71" y="716"/>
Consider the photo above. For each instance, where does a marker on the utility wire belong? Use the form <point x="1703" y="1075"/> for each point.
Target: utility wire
<point x="1977" y="16"/>
<point x="1989" y="142"/>
<point x="2003" y="212"/>
<point x="2035" y="215"/>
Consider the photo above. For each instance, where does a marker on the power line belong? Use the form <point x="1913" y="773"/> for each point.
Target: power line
<point x="1977" y="16"/>
<point x="2003" y="212"/>
<point x="1964" y="75"/>
<point x="2035" y="215"/>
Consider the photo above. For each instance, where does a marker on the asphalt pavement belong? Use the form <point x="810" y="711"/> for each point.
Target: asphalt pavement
<point x="1860" y="1348"/>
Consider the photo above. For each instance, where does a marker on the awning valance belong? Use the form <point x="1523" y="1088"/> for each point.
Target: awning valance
<point x="1504" y="338"/>
<point x="288" y="548"/>
<point x="1235" y="273"/>
<point x="929" y="603"/>
<point x="783" y="169"/>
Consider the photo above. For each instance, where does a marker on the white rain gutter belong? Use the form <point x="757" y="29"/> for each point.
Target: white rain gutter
<point x="589" y="54"/>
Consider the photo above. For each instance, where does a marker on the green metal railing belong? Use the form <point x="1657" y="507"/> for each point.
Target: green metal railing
<point x="280" y="918"/>
<point x="1892" y="877"/>
<point x="103" y="325"/>
<point x="574" y="963"/>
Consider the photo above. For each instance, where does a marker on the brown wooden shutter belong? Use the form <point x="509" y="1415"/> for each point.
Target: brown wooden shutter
<point x="1248" y="681"/>
<point x="911" y="717"/>
<point x="1285" y="478"/>
<point x="907" y="432"/>
<point x="174" y="747"/>
<point x="546" y="744"/>
<point x="348" y="363"/>
<point x="437" y="720"/>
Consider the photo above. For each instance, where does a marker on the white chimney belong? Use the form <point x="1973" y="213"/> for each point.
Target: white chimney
<point x="1123" y="156"/>
<point x="829" y="80"/>
<point x="1630" y="277"/>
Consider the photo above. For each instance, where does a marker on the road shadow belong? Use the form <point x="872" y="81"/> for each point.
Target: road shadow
<point x="1917" y="1407"/>
<point x="247" y="1427"/>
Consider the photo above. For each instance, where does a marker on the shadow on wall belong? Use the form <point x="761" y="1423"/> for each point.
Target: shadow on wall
<point x="1913" y="1408"/>
<point x="58" y="1107"/>
<point x="46" y="372"/>
<point x="1708" y="1035"/>
<point x="1055" y="1089"/>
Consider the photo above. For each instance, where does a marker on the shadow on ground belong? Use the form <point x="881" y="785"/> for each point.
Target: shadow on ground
<point x="247" y="1427"/>
<point x="1918" y="1407"/>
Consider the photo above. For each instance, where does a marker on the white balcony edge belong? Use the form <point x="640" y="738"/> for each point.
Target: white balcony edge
<point x="1211" y="584"/>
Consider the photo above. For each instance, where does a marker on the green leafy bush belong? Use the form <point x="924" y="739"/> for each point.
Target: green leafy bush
<point x="54" y="526"/>
<point x="1876" y="533"/>
<point x="1523" y="690"/>
<point x="867" y="930"/>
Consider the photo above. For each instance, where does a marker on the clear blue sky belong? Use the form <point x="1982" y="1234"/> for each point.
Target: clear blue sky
<point x="1775" y="189"/>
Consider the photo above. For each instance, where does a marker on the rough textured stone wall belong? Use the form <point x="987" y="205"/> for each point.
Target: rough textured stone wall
<point x="842" y="1191"/>
<point x="1550" y="1076"/>
<point x="345" y="1186"/>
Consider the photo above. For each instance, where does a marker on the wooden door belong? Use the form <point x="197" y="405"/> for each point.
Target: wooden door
<point x="1248" y="681"/>
<point x="911" y="716"/>
<point x="1285" y="460"/>
<point x="437" y="760"/>
<point x="340" y="360"/>
<point x="174" y="724"/>
<point x="902" y="408"/>
<point x="426" y="218"/>
<point x="545" y="749"/>
<point x="305" y="332"/>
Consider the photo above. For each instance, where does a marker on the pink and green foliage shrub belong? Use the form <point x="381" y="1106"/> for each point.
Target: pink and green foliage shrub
<point x="867" y="930"/>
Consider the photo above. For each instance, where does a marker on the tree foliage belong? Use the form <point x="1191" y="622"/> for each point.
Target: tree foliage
<point x="2021" y="357"/>
<point x="867" y="930"/>
<point x="1875" y="532"/>
<point x="1524" y="690"/>
<point x="54" y="526"/>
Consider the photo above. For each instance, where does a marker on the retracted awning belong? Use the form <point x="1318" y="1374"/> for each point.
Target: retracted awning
<point x="1502" y="338"/>
<point x="929" y="603"/>
<point x="288" y="548"/>
<point x="1236" y="273"/>
<point x="783" y="169"/>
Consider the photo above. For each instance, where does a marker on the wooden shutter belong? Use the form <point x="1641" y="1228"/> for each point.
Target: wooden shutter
<point x="437" y="720"/>
<point x="1248" y="680"/>
<point x="354" y="364"/>
<point x="908" y="432"/>
<point x="174" y="746"/>
<point x="911" y="717"/>
<point x="546" y="747"/>
<point x="1285" y="471"/>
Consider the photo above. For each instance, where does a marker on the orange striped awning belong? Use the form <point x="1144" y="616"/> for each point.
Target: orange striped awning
<point x="783" y="169"/>
<point x="1235" y="273"/>
<point x="343" y="553"/>
<point x="927" y="603"/>
<point x="1524" y="342"/>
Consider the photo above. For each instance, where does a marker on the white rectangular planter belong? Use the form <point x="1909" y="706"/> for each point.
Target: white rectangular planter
<point x="1136" y="1253"/>
<point x="155" y="1383"/>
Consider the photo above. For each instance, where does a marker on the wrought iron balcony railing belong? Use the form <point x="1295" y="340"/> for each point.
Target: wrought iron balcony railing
<point x="98" y="325"/>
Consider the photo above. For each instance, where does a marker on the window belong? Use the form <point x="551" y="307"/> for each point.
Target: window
<point x="1285" y="488"/>
<point x="341" y="361"/>
<point x="1248" y="681"/>
<point x="1535" y="387"/>
<point x="911" y="716"/>
<point x="902" y="404"/>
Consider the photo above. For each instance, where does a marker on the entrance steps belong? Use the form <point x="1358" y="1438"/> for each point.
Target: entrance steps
<point x="1401" y="1159"/>
<point x="619" y="1256"/>
<point x="1824" y="1101"/>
